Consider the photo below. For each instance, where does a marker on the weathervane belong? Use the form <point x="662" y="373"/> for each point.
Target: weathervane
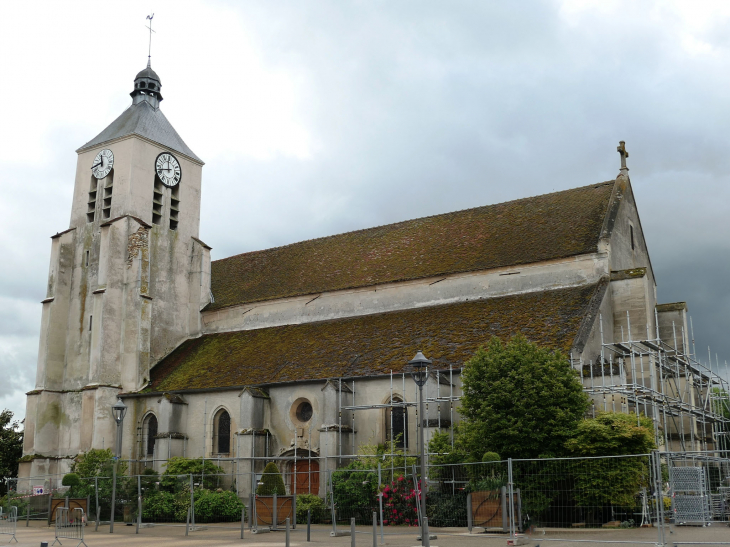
<point x="149" y="50"/>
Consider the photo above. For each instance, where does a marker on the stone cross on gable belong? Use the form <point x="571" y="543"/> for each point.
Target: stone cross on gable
<point x="621" y="149"/>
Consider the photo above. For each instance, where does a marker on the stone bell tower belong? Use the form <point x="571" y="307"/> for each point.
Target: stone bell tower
<point x="126" y="284"/>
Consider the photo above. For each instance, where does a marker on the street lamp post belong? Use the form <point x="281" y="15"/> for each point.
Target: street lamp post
<point x="419" y="365"/>
<point x="118" y="411"/>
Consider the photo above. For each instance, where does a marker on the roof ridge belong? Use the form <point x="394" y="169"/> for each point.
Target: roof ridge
<point x="391" y="224"/>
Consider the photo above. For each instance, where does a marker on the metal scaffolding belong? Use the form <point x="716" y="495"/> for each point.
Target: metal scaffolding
<point x="686" y="399"/>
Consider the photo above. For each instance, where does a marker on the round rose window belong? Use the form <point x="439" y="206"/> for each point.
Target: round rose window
<point x="304" y="411"/>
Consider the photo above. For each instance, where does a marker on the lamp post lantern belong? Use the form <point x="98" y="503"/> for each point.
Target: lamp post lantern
<point x="419" y="365"/>
<point x="119" y="409"/>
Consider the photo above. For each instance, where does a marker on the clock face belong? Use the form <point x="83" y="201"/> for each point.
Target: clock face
<point x="168" y="169"/>
<point x="102" y="164"/>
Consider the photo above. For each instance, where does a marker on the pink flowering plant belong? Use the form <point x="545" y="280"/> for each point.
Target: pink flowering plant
<point x="400" y="503"/>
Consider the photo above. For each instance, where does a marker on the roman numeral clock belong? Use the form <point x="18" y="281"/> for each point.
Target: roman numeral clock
<point x="168" y="169"/>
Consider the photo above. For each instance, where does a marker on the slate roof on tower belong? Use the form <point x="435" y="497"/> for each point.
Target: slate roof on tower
<point x="523" y="231"/>
<point x="373" y="345"/>
<point x="148" y="122"/>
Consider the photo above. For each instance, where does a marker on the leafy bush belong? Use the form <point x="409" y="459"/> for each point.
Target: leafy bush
<point x="313" y="503"/>
<point x="71" y="479"/>
<point x="443" y="454"/>
<point x="272" y="482"/>
<point x="205" y="474"/>
<point x="355" y="493"/>
<point x="446" y="509"/>
<point x="213" y="506"/>
<point x="13" y="499"/>
<point x="165" y="506"/>
<point x="491" y="457"/>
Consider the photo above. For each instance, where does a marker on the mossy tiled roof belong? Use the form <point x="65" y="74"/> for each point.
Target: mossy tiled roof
<point x="373" y="344"/>
<point x="527" y="230"/>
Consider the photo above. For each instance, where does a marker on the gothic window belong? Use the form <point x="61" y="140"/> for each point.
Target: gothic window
<point x="150" y="432"/>
<point x="222" y="433"/>
<point x="396" y="424"/>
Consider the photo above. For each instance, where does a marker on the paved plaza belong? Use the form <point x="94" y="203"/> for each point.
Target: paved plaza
<point x="215" y="536"/>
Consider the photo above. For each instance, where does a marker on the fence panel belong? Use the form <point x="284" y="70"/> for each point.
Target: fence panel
<point x="699" y="486"/>
<point x="9" y="522"/>
<point x="70" y="524"/>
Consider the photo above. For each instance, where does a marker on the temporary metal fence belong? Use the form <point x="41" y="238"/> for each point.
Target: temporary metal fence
<point x="637" y="499"/>
<point x="9" y="522"/>
<point x="70" y="524"/>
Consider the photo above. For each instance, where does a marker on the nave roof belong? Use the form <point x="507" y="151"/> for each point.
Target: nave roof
<point x="372" y="345"/>
<point x="523" y="231"/>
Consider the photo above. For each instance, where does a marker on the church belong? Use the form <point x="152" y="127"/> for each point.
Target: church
<point x="299" y="353"/>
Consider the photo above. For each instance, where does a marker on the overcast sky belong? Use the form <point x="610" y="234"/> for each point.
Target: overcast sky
<point x="320" y="117"/>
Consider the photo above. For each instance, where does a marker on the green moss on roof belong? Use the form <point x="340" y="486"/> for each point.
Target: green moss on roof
<point x="528" y="230"/>
<point x="372" y="344"/>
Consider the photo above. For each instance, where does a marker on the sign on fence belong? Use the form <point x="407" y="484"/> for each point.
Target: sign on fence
<point x="9" y="522"/>
<point x="70" y="524"/>
<point x="37" y="490"/>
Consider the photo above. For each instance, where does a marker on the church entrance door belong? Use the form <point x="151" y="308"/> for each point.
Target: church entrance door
<point x="305" y="478"/>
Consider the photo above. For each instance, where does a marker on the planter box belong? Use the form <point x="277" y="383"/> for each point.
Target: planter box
<point x="489" y="509"/>
<point x="285" y="508"/>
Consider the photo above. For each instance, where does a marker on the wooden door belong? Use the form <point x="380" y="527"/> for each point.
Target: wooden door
<point x="305" y="478"/>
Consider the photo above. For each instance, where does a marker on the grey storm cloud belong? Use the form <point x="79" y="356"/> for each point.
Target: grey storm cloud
<point x="322" y="117"/>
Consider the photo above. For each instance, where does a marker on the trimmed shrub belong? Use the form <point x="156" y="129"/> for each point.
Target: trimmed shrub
<point x="272" y="482"/>
<point x="71" y="479"/>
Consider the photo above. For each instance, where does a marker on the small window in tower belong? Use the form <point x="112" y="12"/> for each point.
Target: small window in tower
<point x="152" y="86"/>
<point x="174" y="207"/>
<point x="142" y="85"/>
<point x="91" y="202"/>
<point x="631" y="229"/>
<point x="157" y="201"/>
<point x="91" y="321"/>
<point x="87" y="258"/>
<point x="106" y="205"/>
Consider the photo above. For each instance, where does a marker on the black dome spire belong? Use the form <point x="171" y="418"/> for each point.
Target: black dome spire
<point x="147" y="87"/>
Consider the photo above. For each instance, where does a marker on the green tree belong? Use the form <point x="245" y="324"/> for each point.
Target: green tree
<point x="96" y="463"/>
<point x="11" y="447"/>
<point x="611" y="481"/>
<point x="272" y="482"/>
<point x="519" y="400"/>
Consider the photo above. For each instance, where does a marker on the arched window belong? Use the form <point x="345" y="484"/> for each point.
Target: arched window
<point x="222" y="433"/>
<point x="396" y="424"/>
<point x="150" y="432"/>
